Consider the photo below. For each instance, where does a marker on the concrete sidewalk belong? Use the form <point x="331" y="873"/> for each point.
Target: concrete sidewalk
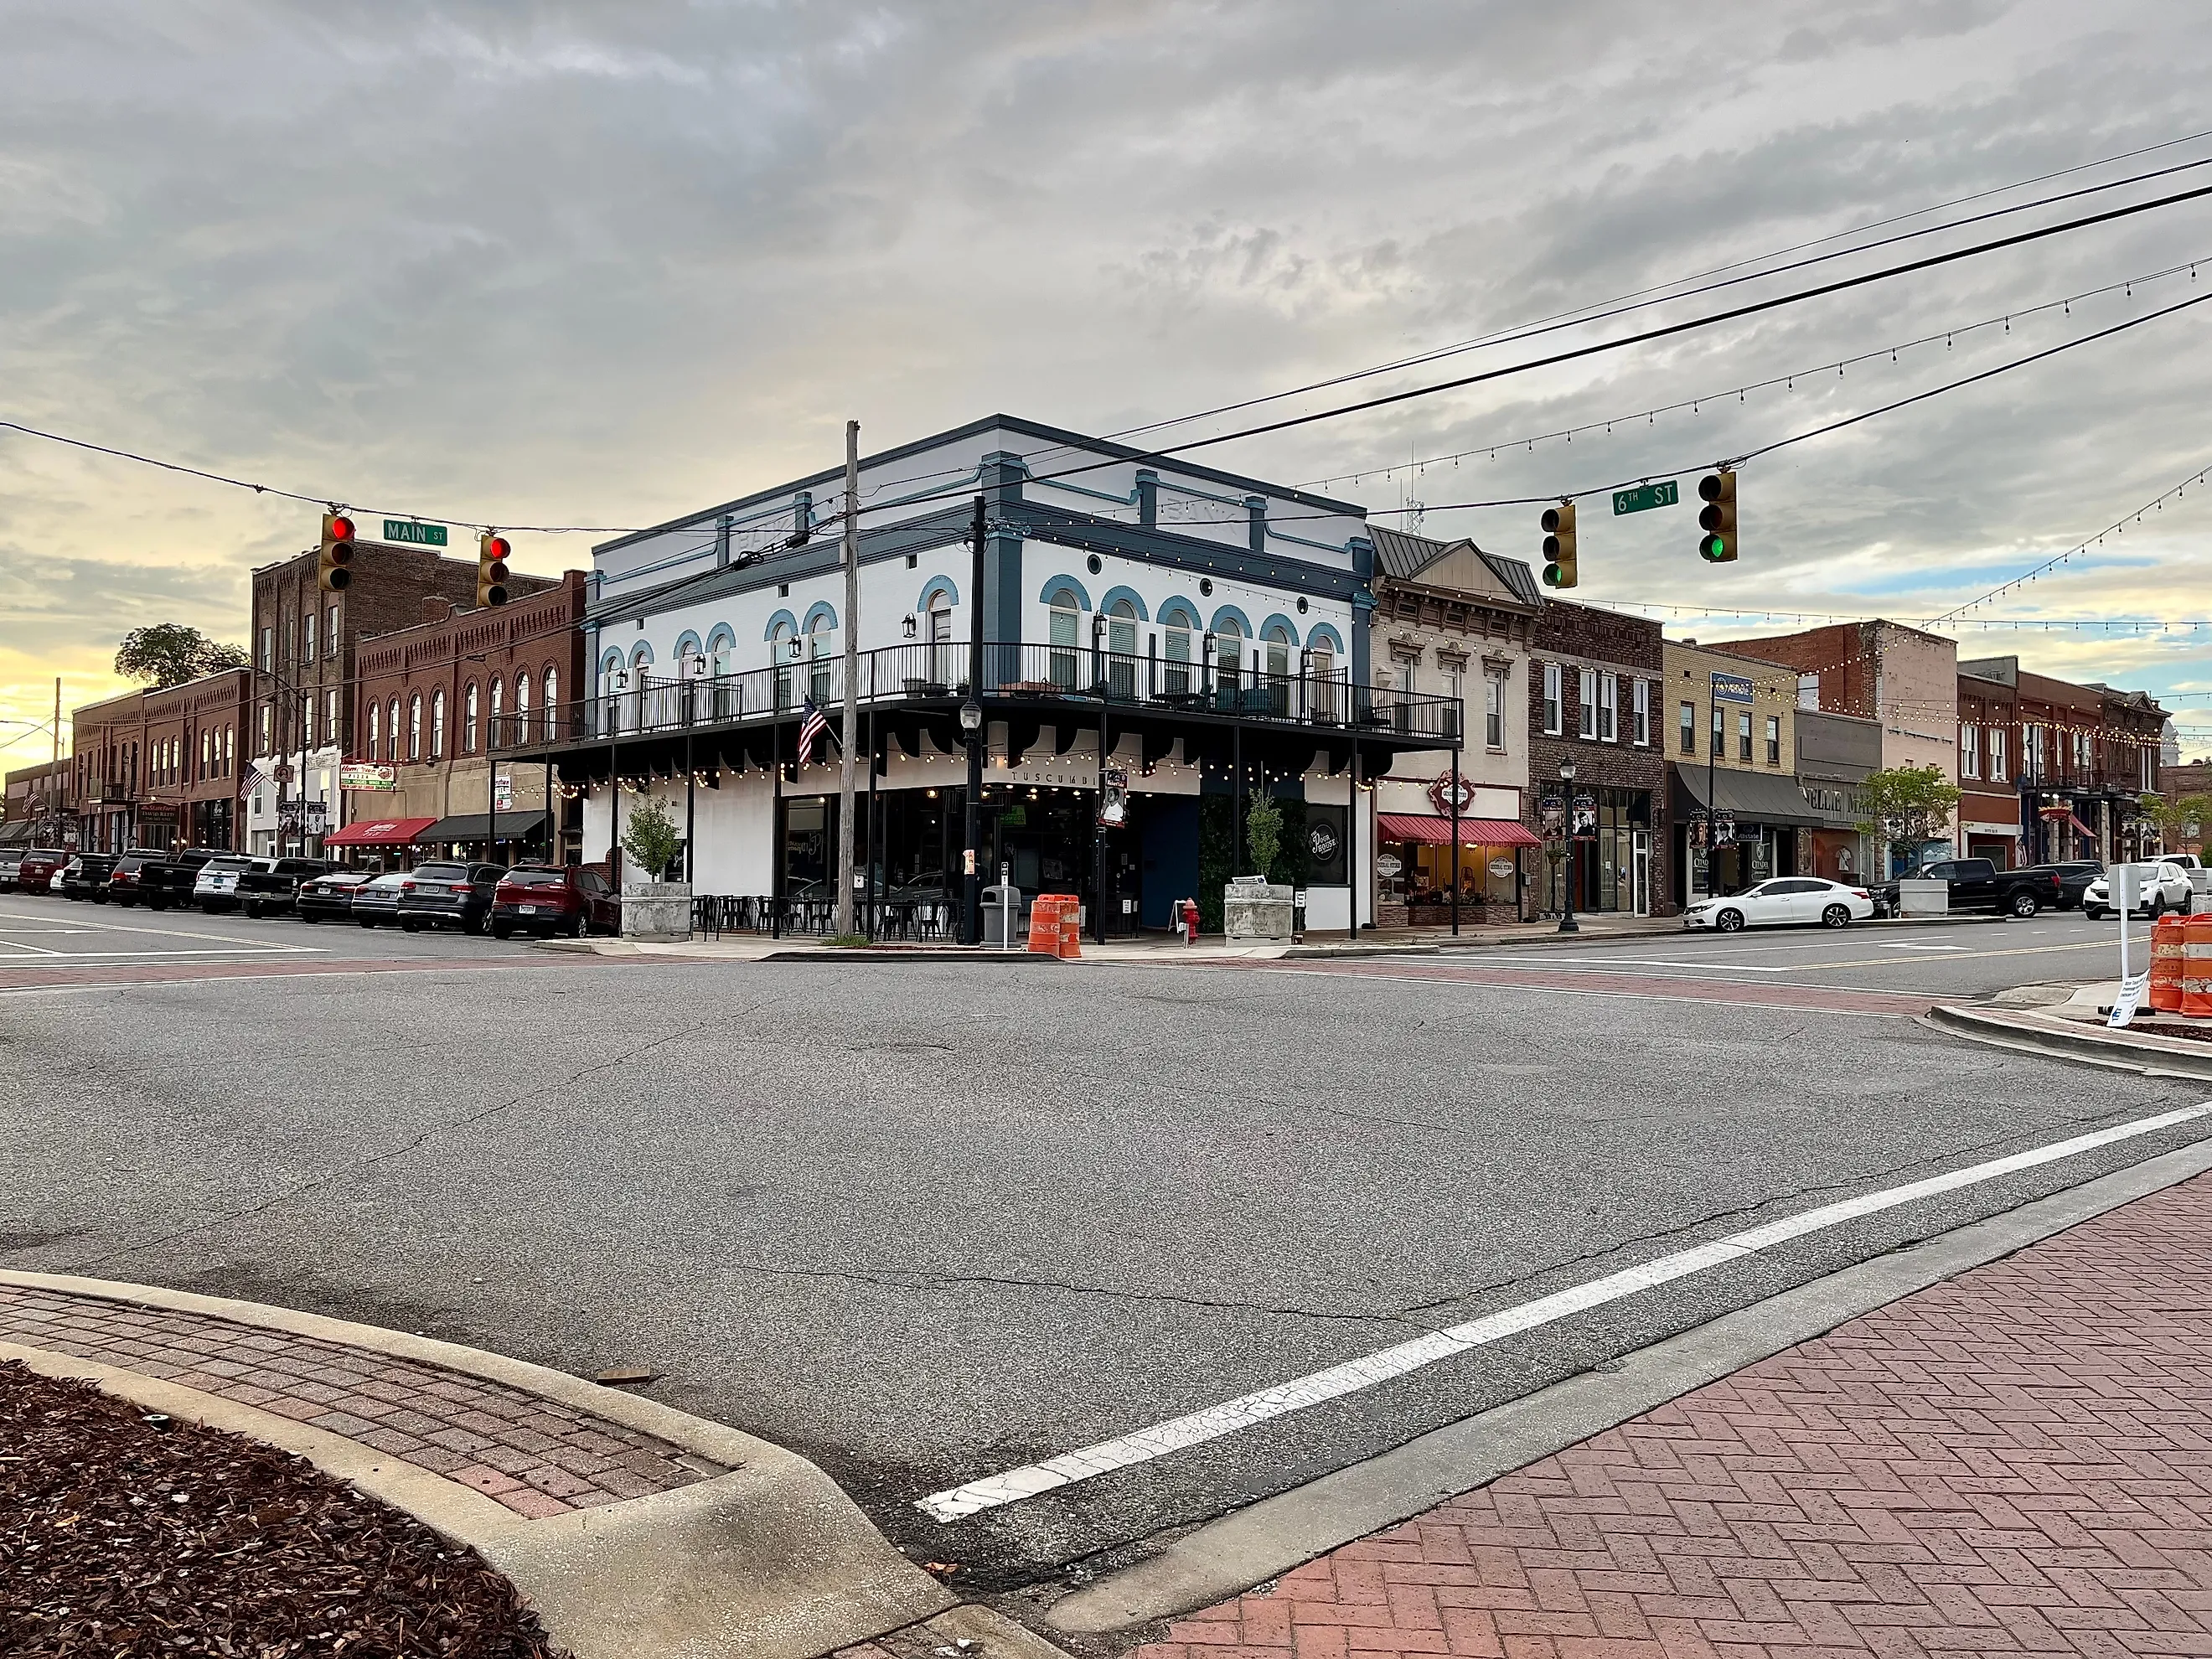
<point x="2069" y="1021"/>
<point x="2018" y="1459"/>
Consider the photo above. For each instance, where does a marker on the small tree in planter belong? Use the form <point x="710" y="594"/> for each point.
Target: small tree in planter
<point x="650" y="837"/>
<point x="1263" y="834"/>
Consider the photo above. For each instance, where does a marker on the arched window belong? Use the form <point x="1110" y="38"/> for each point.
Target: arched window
<point x="522" y="707"/>
<point x="498" y="695"/>
<point x="1276" y="646"/>
<point x="230" y="744"/>
<point x="552" y="702"/>
<point x="375" y="730"/>
<point x="1175" y="652"/>
<point x="468" y="720"/>
<point x="1321" y="696"/>
<point x="943" y="659"/>
<point x="438" y="724"/>
<point x="817" y="657"/>
<point x="779" y="650"/>
<point x="391" y="733"/>
<point x="1063" y="634"/>
<point x="1121" y="648"/>
<point x="1228" y="651"/>
<point x="415" y="726"/>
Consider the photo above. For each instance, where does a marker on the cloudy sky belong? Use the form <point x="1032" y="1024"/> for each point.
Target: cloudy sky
<point x="601" y="264"/>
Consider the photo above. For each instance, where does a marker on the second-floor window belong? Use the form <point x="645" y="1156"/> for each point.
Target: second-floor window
<point x="438" y="725"/>
<point x="1774" y="739"/>
<point x="308" y="637"/>
<point x="469" y="719"/>
<point x="1552" y="725"/>
<point x="1743" y="738"/>
<point x="1586" y="702"/>
<point x="1643" y="713"/>
<point x="1996" y="748"/>
<point x="1688" y="741"/>
<point x="1493" y="708"/>
<point x="1969" y="752"/>
<point x="1608" y="708"/>
<point x="415" y="726"/>
<point x="268" y="649"/>
<point x="375" y="731"/>
<point x="330" y="717"/>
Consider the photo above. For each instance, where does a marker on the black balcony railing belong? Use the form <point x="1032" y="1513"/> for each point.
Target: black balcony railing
<point x="926" y="674"/>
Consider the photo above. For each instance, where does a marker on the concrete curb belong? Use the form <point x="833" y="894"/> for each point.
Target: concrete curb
<point x="2021" y="1031"/>
<point x="1224" y="1558"/>
<point x="769" y="1559"/>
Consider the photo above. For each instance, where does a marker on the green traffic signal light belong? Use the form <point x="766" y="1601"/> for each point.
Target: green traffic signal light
<point x="1554" y="576"/>
<point x="1714" y="549"/>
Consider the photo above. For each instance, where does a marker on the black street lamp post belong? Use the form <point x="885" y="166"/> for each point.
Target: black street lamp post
<point x="1567" y="923"/>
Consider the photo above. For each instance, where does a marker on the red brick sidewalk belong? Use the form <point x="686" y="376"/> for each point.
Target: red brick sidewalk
<point x="535" y="1455"/>
<point x="2019" y="1460"/>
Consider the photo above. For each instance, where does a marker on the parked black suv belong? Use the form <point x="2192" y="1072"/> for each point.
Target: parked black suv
<point x="158" y="880"/>
<point x="449" y="895"/>
<point x="2074" y="875"/>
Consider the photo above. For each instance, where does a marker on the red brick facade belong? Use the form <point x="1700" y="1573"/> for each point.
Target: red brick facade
<point x="1580" y="651"/>
<point x="162" y="769"/>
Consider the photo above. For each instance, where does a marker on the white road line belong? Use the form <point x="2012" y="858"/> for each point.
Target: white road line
<point x="31" y="950"/>
<point x="1553" y="958"/>
<point x="1921" y="947"/>
<point x="159" y="953"/>
<point x="1215" y="1421"/>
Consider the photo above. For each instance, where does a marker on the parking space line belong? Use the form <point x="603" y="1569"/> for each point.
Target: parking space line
<point x="1552" y="956"/>
<point x="90" y="923"/>
<point x="1352" y="1376"/>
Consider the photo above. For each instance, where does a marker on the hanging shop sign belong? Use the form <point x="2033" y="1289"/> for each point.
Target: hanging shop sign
<point x="359" y="775"/>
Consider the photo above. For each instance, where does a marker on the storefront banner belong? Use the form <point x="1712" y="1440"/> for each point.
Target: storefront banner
<point x="357" y="775"/>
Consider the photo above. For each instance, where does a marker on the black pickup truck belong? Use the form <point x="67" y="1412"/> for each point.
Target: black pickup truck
<point x="272" y="886"/>
<point x="1978" y="884"/>
<point x="158" y="880"/>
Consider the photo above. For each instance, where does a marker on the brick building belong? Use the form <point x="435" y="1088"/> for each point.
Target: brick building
<point x="2074" y="760"/>
<point x="1450" y="619"/>
<point x="163" y="768"/>
<point x="1596" y="679"/>
<point x="1879" y="670"/>
<point x="304" y="642"/>
<point x="436" y="705"/>
<point x="38" y="807"/>
<point x="1730" y="730"/>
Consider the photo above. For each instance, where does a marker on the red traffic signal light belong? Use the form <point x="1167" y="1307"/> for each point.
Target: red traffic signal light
<point x="336" y="553"/>
<point x="492" y="551"/>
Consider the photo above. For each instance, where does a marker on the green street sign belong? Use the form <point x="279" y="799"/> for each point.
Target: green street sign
<point x="417" y="534"/>
<point x="1645" y="497"/>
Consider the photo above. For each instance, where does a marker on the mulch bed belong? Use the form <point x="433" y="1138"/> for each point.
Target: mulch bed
<point x="124" y="1533"/>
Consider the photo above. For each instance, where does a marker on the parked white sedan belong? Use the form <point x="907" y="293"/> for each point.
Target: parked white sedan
<point x="1786" y="901"/>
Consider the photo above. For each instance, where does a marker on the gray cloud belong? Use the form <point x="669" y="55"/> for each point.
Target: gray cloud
<point x="583" y="262"/>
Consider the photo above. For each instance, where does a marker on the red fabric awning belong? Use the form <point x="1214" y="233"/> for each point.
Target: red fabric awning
<point x="379" y="832"/>
<point x="1437" y="831"/>
<point x="2081" y="826"/>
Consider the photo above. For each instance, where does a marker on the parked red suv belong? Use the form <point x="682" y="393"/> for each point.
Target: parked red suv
<point x="545" y="898"/>
<point x="35" y="874"/>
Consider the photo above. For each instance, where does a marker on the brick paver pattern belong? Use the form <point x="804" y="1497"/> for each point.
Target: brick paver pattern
<point x="2018" y="1461"/>
<point x="537" y="1457"/>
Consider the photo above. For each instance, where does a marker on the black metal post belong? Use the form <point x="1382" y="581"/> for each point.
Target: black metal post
<point x="1454" y="835"/>
<point x="971" y="909"/>
<point x="1567" y="923"/>
<point x="870" y="846"/>
<point x="1354" y="878"/>
<point x="1098" y="886"/>
<point x="776" y="824"/>
<point x="690" y="808"/>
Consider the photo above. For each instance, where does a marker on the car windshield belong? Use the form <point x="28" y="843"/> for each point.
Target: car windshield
<point x="230" y="864"/>
<point x="535" y="878"/>
<point x="390" y="883"/>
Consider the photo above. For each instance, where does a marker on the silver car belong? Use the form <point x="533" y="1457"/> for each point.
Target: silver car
<point x="2166" y="889"/>
<point x="216" y="887"/>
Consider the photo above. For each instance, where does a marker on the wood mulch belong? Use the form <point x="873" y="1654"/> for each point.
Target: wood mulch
<point x="125" y="1534"/>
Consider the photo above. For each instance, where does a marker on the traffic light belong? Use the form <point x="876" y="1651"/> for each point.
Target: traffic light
<point x="336" y="554"/>
<point x="1717" y="544"/>
<point x="1559" y="524"/>
<point x="491" y="568"/>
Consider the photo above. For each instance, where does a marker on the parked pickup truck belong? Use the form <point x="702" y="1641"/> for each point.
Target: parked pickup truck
<point x="1978" y="884"/>
<point x="159" y="880"/>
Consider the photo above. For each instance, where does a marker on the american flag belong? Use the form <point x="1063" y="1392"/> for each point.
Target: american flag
<point x="811" y="727"/>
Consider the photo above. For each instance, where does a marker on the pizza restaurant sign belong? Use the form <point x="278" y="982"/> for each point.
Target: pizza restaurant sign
<point x="1442" y="791"/>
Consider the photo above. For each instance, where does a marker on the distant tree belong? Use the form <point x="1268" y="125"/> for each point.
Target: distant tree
<point x="1909" y="804"/>
<point x="2179" y="819"/>
<point x="169" y="654"/>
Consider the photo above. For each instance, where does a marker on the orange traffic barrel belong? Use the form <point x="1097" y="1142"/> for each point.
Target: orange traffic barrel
<point x="2197" y="966"/>
<point x="1071" y="931"/>
<point x="2166" y="948"/>
<point x="1044" y="924"/>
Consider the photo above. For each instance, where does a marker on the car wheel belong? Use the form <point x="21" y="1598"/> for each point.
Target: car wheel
<point x="2092" y="913"/>
<point x="1729" y="921"/>
<point x="475" y="926"/>
<point x="2025" y="905"/>
<point x="502" y="930"/>
<point x="411" y="927"/>
<point x="365" y="922"/>
<point x="1835" y="915"/>
<point x="310" y="920"/>
<point x="576" y="928"/>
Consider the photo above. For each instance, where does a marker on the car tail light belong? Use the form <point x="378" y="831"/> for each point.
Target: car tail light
<point x="1861" y="892"/>
<point x="406" y="886"/>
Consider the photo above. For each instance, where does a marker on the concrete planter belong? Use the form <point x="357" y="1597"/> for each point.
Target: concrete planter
<point x="657" y="910"/>
<point x="1923" y="898"/>
<point x="1256" y="910"/>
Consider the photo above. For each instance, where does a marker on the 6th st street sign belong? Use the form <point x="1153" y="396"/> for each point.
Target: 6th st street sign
<point x="1645" y="497"/>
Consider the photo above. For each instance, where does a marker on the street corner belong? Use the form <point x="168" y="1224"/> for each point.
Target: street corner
<point x="629" y="1529"/>
<point x="2073" y="1021"/>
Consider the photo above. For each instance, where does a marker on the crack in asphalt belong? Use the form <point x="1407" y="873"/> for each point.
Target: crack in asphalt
<point x="414" y="1142"/>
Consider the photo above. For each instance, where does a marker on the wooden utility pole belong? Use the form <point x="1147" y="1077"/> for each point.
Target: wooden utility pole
<point x="851" y="724"/>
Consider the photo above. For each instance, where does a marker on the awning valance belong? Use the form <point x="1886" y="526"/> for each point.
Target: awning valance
<point x="380" y="832"/>
<point x="1751" y="797"/>
<point x="1437" y="831"/>
<point x="518" y="825"/>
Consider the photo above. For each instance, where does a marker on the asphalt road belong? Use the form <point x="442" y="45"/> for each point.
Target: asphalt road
<point x="929" y="1222"/>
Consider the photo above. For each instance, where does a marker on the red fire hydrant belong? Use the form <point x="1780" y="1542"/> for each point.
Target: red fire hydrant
<point x="1189" y="908"/>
